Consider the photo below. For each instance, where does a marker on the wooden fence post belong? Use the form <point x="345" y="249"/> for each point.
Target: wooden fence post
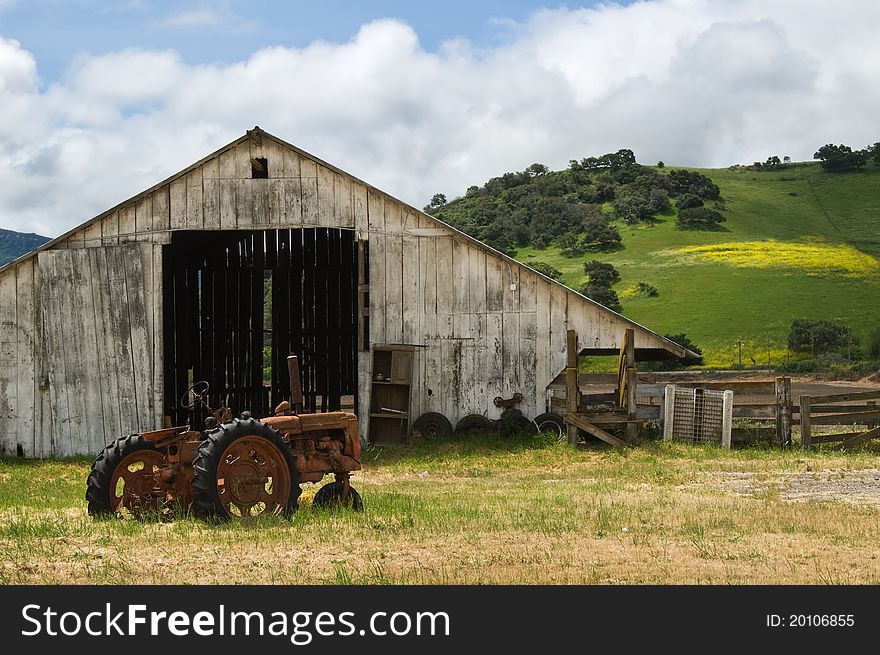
<point x="805" y="422"/>
<point x="632" y="429"/>
<point x="783" y="411"/>
<point x="572" y="391"/>
<point x="668" y="411"/>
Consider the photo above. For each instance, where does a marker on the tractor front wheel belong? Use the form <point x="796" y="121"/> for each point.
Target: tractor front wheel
<point x="330" y="497"/>
<point x="123" y="478"/>
<point x="244" y="470"/>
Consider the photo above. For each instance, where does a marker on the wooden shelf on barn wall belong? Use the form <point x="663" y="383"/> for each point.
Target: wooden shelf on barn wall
<point x="390" y="390"/>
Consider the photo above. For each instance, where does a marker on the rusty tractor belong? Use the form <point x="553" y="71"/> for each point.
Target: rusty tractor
<point x="233" y="469"/>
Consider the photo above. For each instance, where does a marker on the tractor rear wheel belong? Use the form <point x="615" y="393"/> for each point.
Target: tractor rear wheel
<point x="330" y="497"/>
<point x="244" y="470"/>
<point x="123" y="477"/>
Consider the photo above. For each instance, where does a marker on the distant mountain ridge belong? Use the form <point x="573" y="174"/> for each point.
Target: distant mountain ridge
<point x="15" y="244"/>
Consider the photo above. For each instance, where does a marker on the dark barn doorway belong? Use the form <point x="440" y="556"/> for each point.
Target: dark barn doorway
<point x="238" y="303"/>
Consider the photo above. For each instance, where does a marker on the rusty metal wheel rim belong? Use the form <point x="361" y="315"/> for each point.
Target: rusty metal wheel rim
<point x="253" y="478"/>
<point x="133" y="481"/>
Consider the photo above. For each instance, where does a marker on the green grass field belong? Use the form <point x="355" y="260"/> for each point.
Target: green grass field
<point x="485" y="511"/>
<point x="800" y="243"/>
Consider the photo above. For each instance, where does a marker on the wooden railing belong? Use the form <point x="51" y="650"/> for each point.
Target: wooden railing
<point x="755" y="402"/>
<point x="827" y="410"/>
<point x="630" y="398"/>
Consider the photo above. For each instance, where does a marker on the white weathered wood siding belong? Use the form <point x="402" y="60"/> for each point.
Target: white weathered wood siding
<point x="81" y="324"/>
<point x="98" y="325"/>
<point x="81" y="355"/>
<point x="491" y="327"/>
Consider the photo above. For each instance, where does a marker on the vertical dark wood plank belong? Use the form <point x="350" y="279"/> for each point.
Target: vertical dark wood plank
<point x="239" y="350"/>
<point x="632" y="429"/>
<point x="232" y="358"/>
<point x="207" y="325"/>
<point x="342" y="323"/>
<point x="271" y="241"/>
<point x="315" y="315"/>
<point x="806" y="427"/>
<point x="258" y="399"/>
<point x="194" y="348"/>
<point x="783" y="411"/>
<point x="271" y="262"/>
<point x="343" y="281"/>
<point x="330" y="298"/>
<point x="280" y="313"/>
<point x="308" y="316"/>
<point x="244" y="310"/>
<point x="352" y="314"/>
<point x="180" y="343"/>
<point x="230" y="287"/>
<point x="219" y="324"/>
<point x="295" y="304"/>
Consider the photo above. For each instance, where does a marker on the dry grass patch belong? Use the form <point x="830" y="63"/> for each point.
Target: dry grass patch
<point x="487" y="512"/>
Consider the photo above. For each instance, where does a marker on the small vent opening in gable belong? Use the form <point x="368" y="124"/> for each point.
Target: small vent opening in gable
<point x="259" y="167"/>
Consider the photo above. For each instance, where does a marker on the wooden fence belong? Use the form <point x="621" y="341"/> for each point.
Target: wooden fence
<point x="763" y="409"/>
<point x="829" y="410"/>
<point x="597" y="402"/>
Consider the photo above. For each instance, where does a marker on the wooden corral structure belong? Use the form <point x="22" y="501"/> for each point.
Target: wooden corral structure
<point x="613" y="407"/>
<point x="103" y="328"/>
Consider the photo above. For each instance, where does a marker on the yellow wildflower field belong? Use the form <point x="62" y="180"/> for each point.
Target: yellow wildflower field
<point x="812" y="257"/>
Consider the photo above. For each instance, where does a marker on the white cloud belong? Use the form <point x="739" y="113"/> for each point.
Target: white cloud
<point x="195" y="17"/>
<point x="691" y="82"/>
<point x="18" y="69"/>
<point x="216" y="14"/>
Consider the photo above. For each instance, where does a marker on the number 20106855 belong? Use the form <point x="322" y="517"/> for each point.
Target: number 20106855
<point x="811" y="621"/>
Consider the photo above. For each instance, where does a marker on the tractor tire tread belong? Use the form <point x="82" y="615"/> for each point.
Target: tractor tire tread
<point x="98" y="483"/>
<point x="206" y="502"/>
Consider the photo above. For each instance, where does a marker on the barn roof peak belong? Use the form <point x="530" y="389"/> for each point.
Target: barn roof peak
<point x="258" y="134"/>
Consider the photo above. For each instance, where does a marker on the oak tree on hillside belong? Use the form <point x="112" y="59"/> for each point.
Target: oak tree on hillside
<point x="601" y="273"/>
<point x="840" y="158"/>
<point x="547" y="269"/>
<point x="603" y="295"/>
<point x="699" y="218"/>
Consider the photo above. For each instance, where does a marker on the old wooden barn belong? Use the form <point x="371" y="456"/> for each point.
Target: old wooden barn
<point x="105" y="327"/>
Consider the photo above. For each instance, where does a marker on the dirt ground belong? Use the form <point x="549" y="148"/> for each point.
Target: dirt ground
<point x="800" y="387"/>
<point x="818" y="387"/>
<point x="852" y="487"/>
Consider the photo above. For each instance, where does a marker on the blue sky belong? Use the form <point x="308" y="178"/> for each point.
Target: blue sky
<point x="202" y="32"/>
<point x="100" y="100"/>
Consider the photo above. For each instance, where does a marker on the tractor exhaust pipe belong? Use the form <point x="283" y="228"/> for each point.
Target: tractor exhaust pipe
<point x="296" y="394"/>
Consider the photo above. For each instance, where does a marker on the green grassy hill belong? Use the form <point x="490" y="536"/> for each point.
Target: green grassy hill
<point x="800" y="243"/>
<point x="797" y="243"/>
<point x="15" y="244"/>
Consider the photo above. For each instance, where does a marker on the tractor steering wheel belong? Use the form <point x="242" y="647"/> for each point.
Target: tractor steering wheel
<point x="195" y="395"/>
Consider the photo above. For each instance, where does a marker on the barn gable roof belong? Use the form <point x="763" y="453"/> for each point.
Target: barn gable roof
<point x="670" y="349"/>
